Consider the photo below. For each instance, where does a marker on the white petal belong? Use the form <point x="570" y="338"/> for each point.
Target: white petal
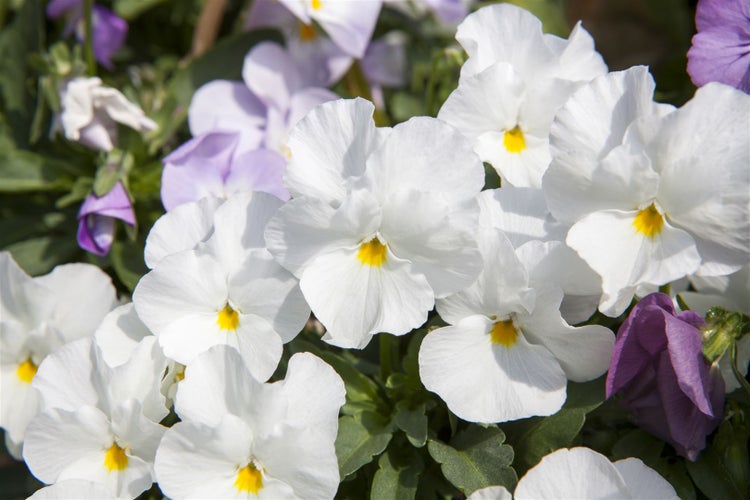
<point x="22" y="298"/>
<point x="195" y="461"/>
<point x="441" y="245"/>
<point x="583" y="352"/>
<point x="484" y="382"/>
<point x="624" y="258"/>
<point x="74" y="488"/>
<point x="19" y="403"/>
<point x="305" y="228"/>
<point x="579" y="61"/>
<point x="84" y="293"/>
<point x="329" y="145"/>
<point x="643" y="481"/>
<point x="182" y="228"/>
<point x="119" y="333"/>
<point x="224" y="105"/>
<point x="64" y="380"/>
<point x="216" y="383"/>
<point x="349" y="24"/>
<point x="264" y="288"/>
<point x="572" y="473"/>
<point x="491" y="493"/>
<point x="57" y="439"/>
<point x="355" y="301"/>
<point x="139" y="435"/>
<point x="425" y="154"/>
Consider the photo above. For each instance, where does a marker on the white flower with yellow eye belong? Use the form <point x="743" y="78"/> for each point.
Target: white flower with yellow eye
<point x="652" y="194"/>
<point x="38" y="315"/>
<point x="228" y="290"/>
<point x="508" y="353"/>
<point x="514" y="81"/>
<point x="98" y="423"/>
<point x="240" y="438"/>
<point x="382" y="220"/>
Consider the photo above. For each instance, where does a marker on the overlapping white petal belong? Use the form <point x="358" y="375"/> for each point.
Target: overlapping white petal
<point x="373" y="246"/>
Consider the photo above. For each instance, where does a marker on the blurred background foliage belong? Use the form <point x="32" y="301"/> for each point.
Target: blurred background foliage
<point x="44" y="178"/>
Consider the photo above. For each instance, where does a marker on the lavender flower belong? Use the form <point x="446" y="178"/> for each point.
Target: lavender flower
<point x="109" y="30"/>
<point x="659" y="370"/>
<point x="96" y="219"/>
<point x="721" y="48"/>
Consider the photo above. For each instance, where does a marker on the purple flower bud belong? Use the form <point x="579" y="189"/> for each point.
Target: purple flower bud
<point x="659" y="370"/>
<point x="720" y="50"/>
<point x="96" y="219"/>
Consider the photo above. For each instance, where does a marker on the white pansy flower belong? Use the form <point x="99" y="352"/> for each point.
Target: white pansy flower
<point x="91" y="112"/>
<point x="382" y="222"/>
<point x="79" y="489"/>
<point x="514" y="81"/>
<point x="649" y="192"/>
<point x="584" y="473"/>
<point x="38" y="315"/>
<point x="228" y="290"/>
<point x="240" y="438"/>
<point x="98" y="423"/>
<point x="508" y="353"/>
<point x="491" y="493"/>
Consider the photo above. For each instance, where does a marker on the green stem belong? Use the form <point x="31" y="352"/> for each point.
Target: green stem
<point x="740" y="378"/>
<point x="88" y="26"/>
<point x="388" y="354"/>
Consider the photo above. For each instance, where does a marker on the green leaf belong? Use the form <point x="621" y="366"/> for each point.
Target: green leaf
<point x="25" y="35"/>
<point x="396" y="478"/>
<point x="26" y="171"/>
<point x="413" y="422"/>
<point x="559" y="430"/>
<point x="362" y="393"/>
<point x="639" y="444"/>
<point x="550" y="12"/>
<point x="130" y="9"/>
<point x="712" y="476"/>
<point x="476" y="458"/>
<point x="360" y="437"/>
<point x="127" y="260"/>
<point x="39" y="255"/>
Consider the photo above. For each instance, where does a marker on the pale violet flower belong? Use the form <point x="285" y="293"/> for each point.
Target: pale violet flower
<point x="240" y="438"/>
<point x="381" y="220"/>
<point x="583" y="473"/>
<point x="508" y="353"/>
<point x="651" y="194"/>
<point x="91" y="112"/>
<point x="349" y="24"/>
<point x="506" y="100"/>
<point x="228" y="290"/>
<point x="98" y="423"/>
<point x="212" y="165"/>
<point x="37" y="316"/>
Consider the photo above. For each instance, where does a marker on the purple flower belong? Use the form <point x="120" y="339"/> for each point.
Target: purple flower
<point x="721" y="48"/>
<point x="96" y="219"/>
<point x="659" y="370"/>
<point x="109" y="30"/>
<point x="212" y="164"/>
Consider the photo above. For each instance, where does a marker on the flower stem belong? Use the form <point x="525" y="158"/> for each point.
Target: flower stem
<point x="388" y="354"/>
<point x="740" y="378"/>
<point x="88" y="26"/>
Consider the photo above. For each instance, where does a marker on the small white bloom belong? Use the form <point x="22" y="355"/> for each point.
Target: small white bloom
<point x="38" y="315"/>
<point x="74" y="488"/>
<point x="647" y="205"/>
<point x="228" y="290"/>
<point x="382" y="220"/>
<point x="239" y="437"/>
<point x="90" y="112"/>
<point x="99" y="423"/>
<point x="584" y="473"/>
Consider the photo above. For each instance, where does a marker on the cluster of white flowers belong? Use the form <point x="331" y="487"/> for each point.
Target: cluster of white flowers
<point x="605" y="194"/>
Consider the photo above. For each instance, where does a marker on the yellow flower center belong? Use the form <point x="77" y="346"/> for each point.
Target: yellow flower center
<point x="307" y="31"/>
<point x="228" y="319"/>
<point x="372" y="253"/>
<point x="504" y="333"/>
<point x="249" y="479"/>
<point x="514" y="141"/>
<point x="316" y="4"/>
<point x="26" y="371"/>
<point x="115" y="458"/>
<point x="649" y="221"/>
